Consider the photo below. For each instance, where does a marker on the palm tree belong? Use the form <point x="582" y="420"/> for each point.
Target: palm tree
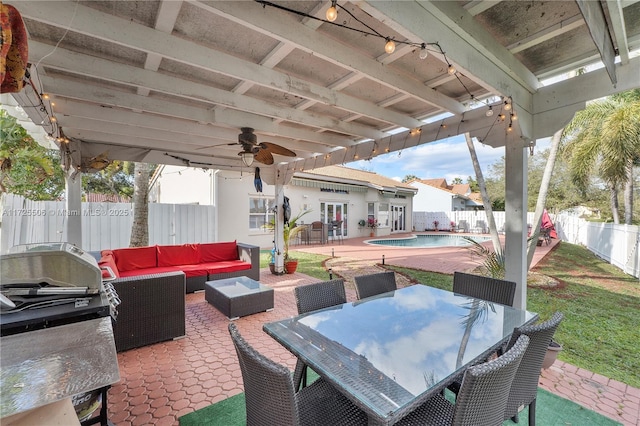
<point x="605" y="136"/>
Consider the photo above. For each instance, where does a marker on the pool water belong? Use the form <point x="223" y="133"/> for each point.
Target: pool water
<point x="429" y="241"/>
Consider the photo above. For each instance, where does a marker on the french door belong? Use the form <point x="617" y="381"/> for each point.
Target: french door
<point x="335" y="212"/>
<point x="398" y="218"/>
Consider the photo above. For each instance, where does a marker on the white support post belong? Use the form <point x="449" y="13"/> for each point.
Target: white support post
<point x="516" y="218"/>
<point x="74" y="208"/>
<point x="279" y="221"/>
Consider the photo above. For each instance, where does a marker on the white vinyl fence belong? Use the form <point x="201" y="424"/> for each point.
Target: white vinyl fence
<point x="617" y="244"/>
<point x="104" y="225"/>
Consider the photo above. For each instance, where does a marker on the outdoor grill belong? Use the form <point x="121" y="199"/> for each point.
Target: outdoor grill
<point x="46" y="285"/>
<point x="56" y="330"/>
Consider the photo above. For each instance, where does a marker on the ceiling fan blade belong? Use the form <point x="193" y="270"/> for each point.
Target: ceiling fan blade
<point x="263" y="156"/>
<point x="276" y="149"/>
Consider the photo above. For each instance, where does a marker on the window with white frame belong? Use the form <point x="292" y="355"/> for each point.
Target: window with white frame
<point x="383" y="214"/>
<point x="259" y="213"/>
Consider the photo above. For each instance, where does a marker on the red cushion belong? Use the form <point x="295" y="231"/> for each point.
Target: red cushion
<point x="216" y="252"/>
<point x="110" y="261"/>
<point x="194" y="270"/>
<point x="129" y="259"/>
<point x="149" y="271"/>
<point x="185" y="254"/>
<point x="226" y="266"/>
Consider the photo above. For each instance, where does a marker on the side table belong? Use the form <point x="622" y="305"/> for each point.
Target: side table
<point x="237" y="297"/>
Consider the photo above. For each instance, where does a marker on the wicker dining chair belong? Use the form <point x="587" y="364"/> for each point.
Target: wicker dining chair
<point x="372" y="284"/>
<point x="482" y="398"/>
<point x="310" y="298"/>
<point x="524" y="389"/>
<point x="272" y="401"/>
<point x="485" y="288"/>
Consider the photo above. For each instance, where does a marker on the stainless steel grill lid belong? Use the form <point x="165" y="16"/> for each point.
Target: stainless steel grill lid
<point x="56" y="264"/>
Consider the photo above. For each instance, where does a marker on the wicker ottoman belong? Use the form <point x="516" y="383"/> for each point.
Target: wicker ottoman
<point x="240" y="296"/>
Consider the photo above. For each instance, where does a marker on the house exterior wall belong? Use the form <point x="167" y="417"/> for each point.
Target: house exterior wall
<point x="184" y="185"/>
<point x="235" y="190"/>
<point x="430" y="198"/>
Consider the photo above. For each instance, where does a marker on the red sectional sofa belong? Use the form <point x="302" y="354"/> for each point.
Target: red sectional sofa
<point x="151" y="283"/>
<point x="199" y="262"/>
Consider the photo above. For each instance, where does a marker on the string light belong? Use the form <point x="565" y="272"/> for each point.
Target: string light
<point x="489" y="112"/>
<point x="390" y="46"/>
<point x="332" y="12"/>
<point x="423" y="51"/>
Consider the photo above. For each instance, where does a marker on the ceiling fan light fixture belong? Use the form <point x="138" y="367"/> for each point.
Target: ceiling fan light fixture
<point x="247" y="158"/>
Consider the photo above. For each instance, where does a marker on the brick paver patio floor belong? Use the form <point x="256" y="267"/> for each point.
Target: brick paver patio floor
<point x="161" y="382"/>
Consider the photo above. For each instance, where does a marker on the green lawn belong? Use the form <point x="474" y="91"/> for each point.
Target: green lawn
<point x="601" y="304"/>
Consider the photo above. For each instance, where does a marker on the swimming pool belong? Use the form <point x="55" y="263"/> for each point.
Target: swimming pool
<point x="446" y="240"/>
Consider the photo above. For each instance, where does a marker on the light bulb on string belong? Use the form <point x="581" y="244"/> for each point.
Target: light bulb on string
<point x="332" y="12"/>
<point x="507" y="106"/>
<point x="514" y="116"/>
<point x="451" y="70"/>
<point x="489" y="112"/>
<point x="423" y="51"/>
<point x="45" y="96"/>
<point x="390" y="46"/>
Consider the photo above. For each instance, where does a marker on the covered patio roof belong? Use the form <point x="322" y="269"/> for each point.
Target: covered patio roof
<point x="173" y="82"/>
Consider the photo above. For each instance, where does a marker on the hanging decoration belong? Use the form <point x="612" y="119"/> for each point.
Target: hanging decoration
<point x="257" y="182"/>
<point x="14" y="50"/>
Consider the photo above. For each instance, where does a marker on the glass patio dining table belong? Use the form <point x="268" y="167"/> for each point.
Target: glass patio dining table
<point x="391" y="352"/>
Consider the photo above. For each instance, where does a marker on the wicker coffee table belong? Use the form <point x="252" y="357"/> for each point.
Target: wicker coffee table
<point x="237" y="297"/>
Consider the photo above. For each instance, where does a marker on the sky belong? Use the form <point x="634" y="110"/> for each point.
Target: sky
<point x="448" y="158"/>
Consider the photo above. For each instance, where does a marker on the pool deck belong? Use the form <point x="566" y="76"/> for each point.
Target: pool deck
<point x="446" y="260"/>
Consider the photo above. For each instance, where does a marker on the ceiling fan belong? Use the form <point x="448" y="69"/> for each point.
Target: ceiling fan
<point x="261" y="152"/>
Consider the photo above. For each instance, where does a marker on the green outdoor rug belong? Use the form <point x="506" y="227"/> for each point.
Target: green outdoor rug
<point x="551" y="410"/>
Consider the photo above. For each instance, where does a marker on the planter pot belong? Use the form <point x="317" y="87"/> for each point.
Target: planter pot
<point x="551" y="355"/>
<point x="372" y="234"/>
<point x="272" y="268"/>
<point x="290" y="266"/>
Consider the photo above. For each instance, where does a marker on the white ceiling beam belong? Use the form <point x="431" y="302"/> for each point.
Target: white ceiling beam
<point x="165" y="21"/>
<point x="233" y="119"/>
<point x="100" y="25"/>
<point x="596" y="22"/>
<point x="73" y="62"/>
<point x="466" y="53"/>
<point x="461" y="22"/>
<point x="561" y="27"/>
<point x="619" y="30"/>
<point x="572" y="91"/>
<point x="477" y="7"/>
<point x="269" y="21"/>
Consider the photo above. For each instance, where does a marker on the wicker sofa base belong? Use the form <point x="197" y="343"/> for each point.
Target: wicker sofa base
<point x="152" y="309"/>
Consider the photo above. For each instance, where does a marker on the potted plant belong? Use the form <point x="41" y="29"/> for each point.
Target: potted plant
<point x="552" y="353"/>
<point x="289" y="231"/>
<point x="372" y="223"/>
<point x="435" y="225"/>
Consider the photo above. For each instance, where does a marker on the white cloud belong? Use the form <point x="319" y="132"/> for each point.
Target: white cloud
<point x="448" y="159"/>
